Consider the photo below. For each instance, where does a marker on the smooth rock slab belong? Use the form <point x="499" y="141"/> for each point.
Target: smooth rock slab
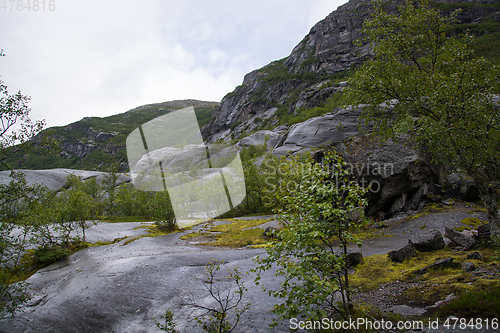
<point x="119" y="288"/>
<point x="54" y="179"/>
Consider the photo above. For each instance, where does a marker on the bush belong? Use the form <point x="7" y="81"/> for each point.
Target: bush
<point x="320" y="210"/>
<point x="162" y="211"/>
<point x="483" y="303"/>
<point x="45" y="256"/>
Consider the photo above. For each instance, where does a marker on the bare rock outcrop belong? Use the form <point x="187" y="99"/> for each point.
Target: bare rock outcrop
<point x="403" y="253"/>
<point x="460" y="240"/>
<point x="430" y="241"/>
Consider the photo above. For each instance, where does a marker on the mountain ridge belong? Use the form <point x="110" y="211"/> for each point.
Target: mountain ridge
<point x="271" y="99"/>
<point x="94" y="143"/>
<point x="311" y="75"/>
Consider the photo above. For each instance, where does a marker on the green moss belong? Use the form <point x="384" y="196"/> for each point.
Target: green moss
<point x="152" y="231"/>
<point x="416" y="216"/>
<point x="130" y="240"/>
<point x="237" y="234"/>
<point x="460" y="229"/>
<point x="194" y="234"/>
<point x="473" y="222"/>
<point x="376" y="270"/>
<point x="379" y="269"/>
<point x="430" y="208"/>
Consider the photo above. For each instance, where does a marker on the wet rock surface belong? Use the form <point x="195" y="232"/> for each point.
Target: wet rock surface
<point x="120" y="287"/>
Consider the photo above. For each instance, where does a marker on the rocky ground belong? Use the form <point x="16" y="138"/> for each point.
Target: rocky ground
<point x="122" y="286"/>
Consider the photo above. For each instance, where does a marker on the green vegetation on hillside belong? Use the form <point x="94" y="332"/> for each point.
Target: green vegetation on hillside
<point x="487" y="31"/>
<point x="103" y="152"/>
<point x="441" y="85"/>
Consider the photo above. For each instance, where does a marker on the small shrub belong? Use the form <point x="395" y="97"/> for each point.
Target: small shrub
<point x="227" y="291"/>
<point x="482" y="303"/>
<point x="45" y="256"/>
<point x="169" y="325"/>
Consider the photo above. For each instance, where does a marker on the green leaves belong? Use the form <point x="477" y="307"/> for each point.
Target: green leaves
<point x="434" y="80"/>
<point x="318" y="206"/>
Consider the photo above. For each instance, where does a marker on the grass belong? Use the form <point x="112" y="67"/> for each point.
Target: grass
<point x="432" y="286"/>
<point x="235" y="234"/>
<point x="472" y="304"/>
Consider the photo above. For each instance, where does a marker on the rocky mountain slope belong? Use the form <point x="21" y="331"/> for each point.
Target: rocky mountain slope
<point x="293" y="105"/>
<point x="308" y="82"/>
<point x="94" y="143"/>
<point x="278" y="98"/>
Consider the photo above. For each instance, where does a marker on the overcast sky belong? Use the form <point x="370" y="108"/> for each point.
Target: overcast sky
<point x="99" y="58"/>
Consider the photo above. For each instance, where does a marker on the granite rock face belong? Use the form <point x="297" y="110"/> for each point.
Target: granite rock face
<point x="309" y="75"/>
<point x="326" y="130"/>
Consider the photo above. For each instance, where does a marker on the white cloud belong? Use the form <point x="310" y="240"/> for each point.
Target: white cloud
<point x="98" y="58"/>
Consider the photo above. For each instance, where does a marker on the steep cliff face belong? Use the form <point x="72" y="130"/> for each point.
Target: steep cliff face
<point x="330" y="47"/>
<point x="315" y="69"/>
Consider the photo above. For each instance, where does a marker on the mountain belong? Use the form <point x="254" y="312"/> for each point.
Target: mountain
<point x="94" y="143"/>
<point x="307" y="82"/>
<point x="291" y="104"/>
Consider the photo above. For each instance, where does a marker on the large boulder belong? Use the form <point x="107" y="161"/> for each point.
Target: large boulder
<point x="430" y="241"/>
<point x="460" y="186"/>
<point x="415" y="199"/>
<point x="399" y="177"/>
<point x="353" y="258"/>
<point x="483" y="233"/>
<point x="330" y="129"/>
<point x="459" y="239"/>
<point x="403" y="253"/>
